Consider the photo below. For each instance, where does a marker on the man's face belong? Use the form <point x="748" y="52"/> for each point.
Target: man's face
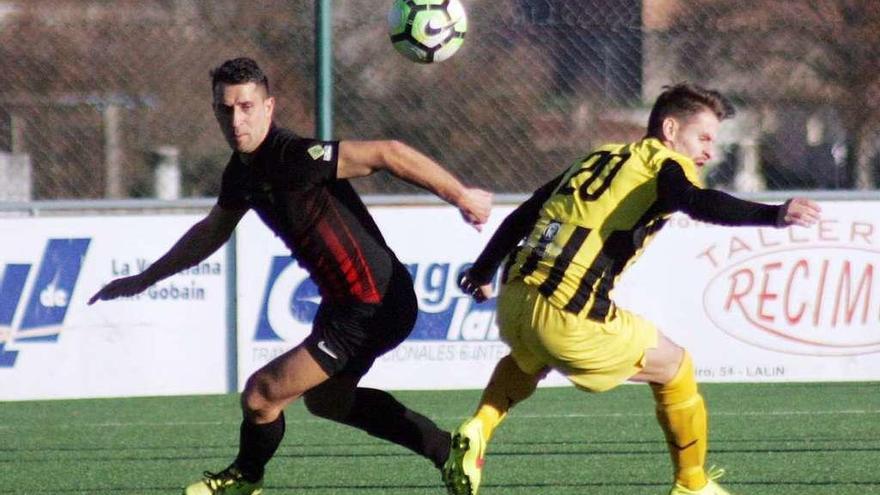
<point x="244" y="113"/>
<point x="694" y="136"/>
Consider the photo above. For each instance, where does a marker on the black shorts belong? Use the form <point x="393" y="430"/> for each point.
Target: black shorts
<point x="348" y="337"/>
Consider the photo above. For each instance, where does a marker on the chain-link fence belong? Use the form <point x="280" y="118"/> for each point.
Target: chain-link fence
<point x="99" y="94"/>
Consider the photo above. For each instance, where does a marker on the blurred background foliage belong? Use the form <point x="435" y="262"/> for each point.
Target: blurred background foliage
<point x="96" y="92"/>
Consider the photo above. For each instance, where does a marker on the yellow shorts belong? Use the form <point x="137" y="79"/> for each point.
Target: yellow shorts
<point x="595" y="356"/>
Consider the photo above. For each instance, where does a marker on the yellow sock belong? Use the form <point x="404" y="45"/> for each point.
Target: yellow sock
<point x="508" y="386"/>
<point x="682" y="415"/>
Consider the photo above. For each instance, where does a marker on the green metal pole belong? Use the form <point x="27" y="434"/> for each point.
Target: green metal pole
<point x="232" y="315"/>
<point x="324" y="69"/>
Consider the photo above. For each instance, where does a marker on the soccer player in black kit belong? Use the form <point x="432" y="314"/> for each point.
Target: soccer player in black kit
<point x="299" y="188"/>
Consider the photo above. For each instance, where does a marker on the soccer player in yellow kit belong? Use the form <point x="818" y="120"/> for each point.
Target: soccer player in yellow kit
<point x="581" y="230"/>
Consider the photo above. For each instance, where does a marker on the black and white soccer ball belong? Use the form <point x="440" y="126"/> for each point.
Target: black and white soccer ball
<point x="427" y="31"/>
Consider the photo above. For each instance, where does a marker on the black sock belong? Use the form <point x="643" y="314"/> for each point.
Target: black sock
<point x="257" y="444"/>
<point x="382" y="416"/>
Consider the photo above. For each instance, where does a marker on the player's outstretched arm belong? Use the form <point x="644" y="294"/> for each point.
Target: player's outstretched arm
<point x="362" y="158"/>
<point x="195" y="245"/>
<point x="677" y="193"/>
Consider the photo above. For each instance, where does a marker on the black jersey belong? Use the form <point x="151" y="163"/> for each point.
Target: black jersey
<point x="291" y="183"/>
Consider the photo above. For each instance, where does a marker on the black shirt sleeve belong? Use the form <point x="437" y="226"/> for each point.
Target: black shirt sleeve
<point x="677" y="193"/>
<point x="516" y="226"/>
<point x="284" y="161"/>
<point x="311" y="161"/>
<point x="232" y="192"/>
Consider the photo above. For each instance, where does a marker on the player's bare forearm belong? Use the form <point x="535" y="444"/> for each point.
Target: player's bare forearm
<point x="193" y="247"/>
<point x="362" y="158"/>
<point x="416" y="168"/>
<point x="199" y="242"/>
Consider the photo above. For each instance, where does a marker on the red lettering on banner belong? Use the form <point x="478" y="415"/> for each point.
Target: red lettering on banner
<point x="708" y="254"/>
<point x="820" y="293"/>
<point x="763" y="235"/>
<point x="849" y="292"/>
<point x="826" y="230"/>
<point x="844" y="287"/>
<point x="800" y="265"/>
<point x="795" y="238"/>
<point x="836" y="292"/>
<point x="863" y="230"/>
<point x="737" y="245"/>
<point x="765" y="295"/>
<point x="734" y="295"/>
<point x="805" y="291"/>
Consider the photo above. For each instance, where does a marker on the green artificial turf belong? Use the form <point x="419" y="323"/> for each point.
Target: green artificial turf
<point x="773" y="439"/>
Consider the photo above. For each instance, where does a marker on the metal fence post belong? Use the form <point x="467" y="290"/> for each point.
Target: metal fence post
<point x="324" y="69"/>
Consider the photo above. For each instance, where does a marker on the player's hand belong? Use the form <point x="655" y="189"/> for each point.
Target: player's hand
<point x="475" y="206"/>
<point x="799" y="211"/>
<point x="121" y="287"/>
<point x="480" y="293"/>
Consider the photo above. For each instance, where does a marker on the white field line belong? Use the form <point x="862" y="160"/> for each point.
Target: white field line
<point x="514" y="416"/>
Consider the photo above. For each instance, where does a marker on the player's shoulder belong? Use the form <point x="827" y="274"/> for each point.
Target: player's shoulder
<point x="659" y="156"/>
<point x="291" y="146"/>
<point x="633" y="152"/>
<point x="656" y="155"/>
<point x="234" y="168"/>
<point x="280" y="137"/>
<point x="613" y="148"/>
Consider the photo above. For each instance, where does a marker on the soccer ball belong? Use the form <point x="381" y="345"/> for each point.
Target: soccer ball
<point x="427" y="31"/>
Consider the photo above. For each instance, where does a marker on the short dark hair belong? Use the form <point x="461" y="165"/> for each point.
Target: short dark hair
<point x="683" y="100"/>
<point x="240" y="70"/>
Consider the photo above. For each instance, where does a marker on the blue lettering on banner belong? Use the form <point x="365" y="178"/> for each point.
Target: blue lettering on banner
<point x="290" y="299"/>
<point x="445" y="313"/>
<point x="49" y="298"/>
<point x="290" y="302"/>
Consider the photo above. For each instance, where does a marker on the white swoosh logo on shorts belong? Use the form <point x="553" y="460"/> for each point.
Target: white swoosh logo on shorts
<point x="323" y="346"/>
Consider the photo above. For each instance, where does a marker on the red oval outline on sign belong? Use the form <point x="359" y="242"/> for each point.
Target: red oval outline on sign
<point x="867" y="348"/>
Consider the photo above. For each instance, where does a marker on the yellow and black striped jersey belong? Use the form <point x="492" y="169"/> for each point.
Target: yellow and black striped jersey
<point x="583" y="228"/>
<point x="595" y="223"/>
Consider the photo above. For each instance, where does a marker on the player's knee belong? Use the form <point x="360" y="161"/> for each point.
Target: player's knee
<point x="672" y="358"/>
<point x="256" y="398"/>
<point x="669" y="369"/>
<point x="681" y="363"/>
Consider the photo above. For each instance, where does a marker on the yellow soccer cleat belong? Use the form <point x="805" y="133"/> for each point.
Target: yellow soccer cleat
<point x="227" y="482"/>
<point x="711" y="488"/>
<point x="463" y="470"/>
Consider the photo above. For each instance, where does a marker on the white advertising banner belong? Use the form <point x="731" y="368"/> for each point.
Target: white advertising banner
<point x="765" y="304"/>
<point x="455" y="341"/>
<point x="751" y="304"/>
<point x="171" y="339"/>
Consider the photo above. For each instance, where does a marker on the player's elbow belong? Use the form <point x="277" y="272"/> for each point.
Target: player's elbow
<point x="369" y="157"/>
<point x="393" y="153"/>
<point x="363" y="158"/>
